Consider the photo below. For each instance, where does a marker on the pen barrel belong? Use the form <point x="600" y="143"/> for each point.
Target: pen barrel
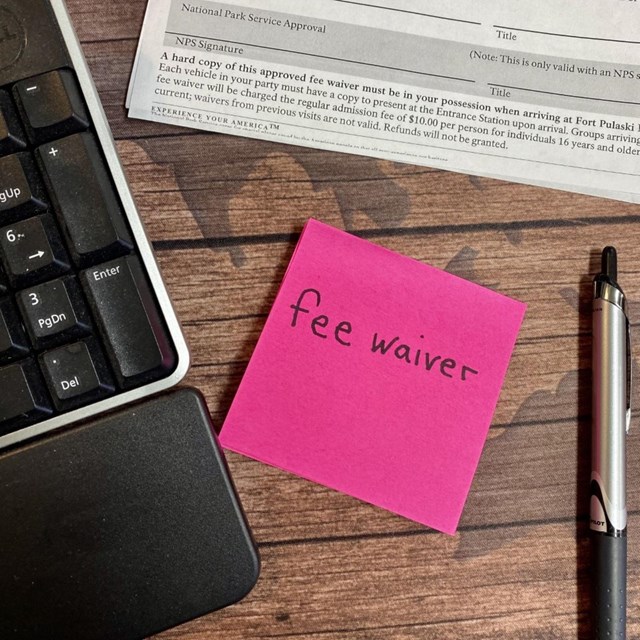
<point x="609" y="582"/>
<point x="609" y="418"/>
<point x="608" y="522"/>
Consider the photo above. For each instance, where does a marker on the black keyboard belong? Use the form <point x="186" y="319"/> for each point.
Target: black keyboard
<point x="85" y="321"/>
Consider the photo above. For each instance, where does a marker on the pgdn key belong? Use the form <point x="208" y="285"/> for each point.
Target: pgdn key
<point x="135" y="337"/>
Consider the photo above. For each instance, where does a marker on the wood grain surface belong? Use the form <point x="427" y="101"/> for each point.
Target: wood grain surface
<point x="224" y="214"/>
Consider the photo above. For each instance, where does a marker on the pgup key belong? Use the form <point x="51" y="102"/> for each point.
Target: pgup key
<point x="21" y="192"/>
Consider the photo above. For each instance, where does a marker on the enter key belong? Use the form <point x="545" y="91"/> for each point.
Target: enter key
<point x="136" y="339"/>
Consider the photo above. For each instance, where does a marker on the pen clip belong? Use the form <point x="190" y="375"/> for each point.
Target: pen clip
<point x="629" y="376"/>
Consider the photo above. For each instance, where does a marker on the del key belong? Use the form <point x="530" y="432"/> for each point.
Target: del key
<point x="137" y="343"/>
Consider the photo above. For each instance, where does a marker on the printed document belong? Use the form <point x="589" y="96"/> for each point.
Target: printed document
<point x="544" y="93"/>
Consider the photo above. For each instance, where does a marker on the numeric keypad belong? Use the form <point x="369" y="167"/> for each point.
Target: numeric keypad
<point x="79" y="320"/>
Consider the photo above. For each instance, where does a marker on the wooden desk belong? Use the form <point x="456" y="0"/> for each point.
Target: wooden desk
<point x="224" y="214"/>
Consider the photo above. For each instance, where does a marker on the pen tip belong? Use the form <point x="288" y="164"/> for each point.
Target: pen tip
<point x="610" y="263"/>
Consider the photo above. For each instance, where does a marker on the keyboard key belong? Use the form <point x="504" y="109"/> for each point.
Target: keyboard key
<point x="51" y="106"/>
<point x="54" y="312"/>
<point x="24" y="399"/>
<point x="4" y="287"/>
<point x="12" y="138"/>
<point x="85" y="199"/>
<point x="21" y="192"/>
<point x="76" y="373"/>
<point x="135" y="337"/>
<point x="13" y="343"/>
<point x="32" y="251"/>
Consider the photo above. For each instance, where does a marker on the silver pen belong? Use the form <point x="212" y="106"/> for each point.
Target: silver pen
<point x="611" y="413"/>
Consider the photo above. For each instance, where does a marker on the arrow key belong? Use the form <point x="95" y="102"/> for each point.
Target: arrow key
<point x="32" y="251"/>
<point x="12" y="339"/>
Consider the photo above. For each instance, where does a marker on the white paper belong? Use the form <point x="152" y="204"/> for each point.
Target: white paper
<point x="544" y="93"/>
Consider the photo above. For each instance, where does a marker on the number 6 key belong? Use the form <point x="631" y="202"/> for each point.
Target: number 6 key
<point x="32" y="251"/>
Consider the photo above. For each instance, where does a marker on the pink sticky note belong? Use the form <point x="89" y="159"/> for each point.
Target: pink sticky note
<point x="376" y="375"/>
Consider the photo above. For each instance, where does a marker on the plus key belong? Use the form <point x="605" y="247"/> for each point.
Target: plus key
<point x="85" y="200"/>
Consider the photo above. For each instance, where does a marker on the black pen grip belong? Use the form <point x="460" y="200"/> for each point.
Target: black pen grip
<point x="609" y="581"/>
